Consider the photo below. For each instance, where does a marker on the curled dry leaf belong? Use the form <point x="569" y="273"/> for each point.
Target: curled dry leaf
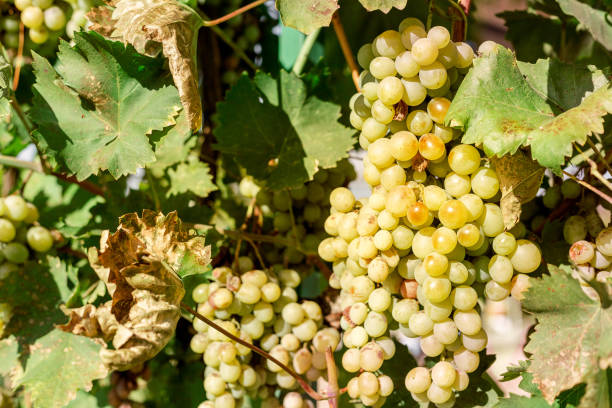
<point x="154" y="26"/>
<point x="137" y="264"/>
<point x="519" y="180"/>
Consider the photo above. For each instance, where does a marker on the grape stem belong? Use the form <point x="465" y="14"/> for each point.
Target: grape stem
<point x="302" y="57"/>
<point x="604" y="162"/>
<point x="430" y="10"/>
<point x="590" y="187"/>
<point x="458" y="13"/>
<point x="19" y="56"/>
<point x="305" y="386"/>
<point x="237" y="12"/>
<point x="226" y="39"/>
<point x="346" y="49"/>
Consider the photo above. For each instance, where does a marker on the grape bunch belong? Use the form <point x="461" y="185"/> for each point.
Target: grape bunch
<point x="297" y="214"/>
<point x="42" y="18"/>
<point x="430" y="239"/>
<point x="19" y="234"/>
<point x="261" y="308"/>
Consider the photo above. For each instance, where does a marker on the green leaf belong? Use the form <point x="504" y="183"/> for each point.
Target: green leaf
<point x="515" y="371"/>
<point x="65" y="277"/>
<point x="97" y="111"/>
<point x="571" y="340"/>
<point x="6" y="75"/>
<point x="500" y="110"/>
<point x="59" y="364"/>
<point x="383" y="5"/>
<point x="9" y="355"/>
<point x="519" y="401"/>
<point x="172" y="145"/>
<point x="34" y="298"/>
<point x="596" y="21"/>
<point x="313" y="285"/>
<point x="306" y="15"/>
<point x="193" y="176"/>
<point x="283" y="136"/>
<point x="83" y="400"/>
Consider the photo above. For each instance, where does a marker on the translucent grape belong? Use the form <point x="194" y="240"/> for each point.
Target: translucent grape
<point x="414" y="92"/>
<point x="388" y="44"/>
<point x="526" y="257"/>
<point x="424" y="51"/>
<point x="419" y="122"/>
<point x="382" y="67"/>
<point x="433" y="76"/>
<point x="406" y="66"/>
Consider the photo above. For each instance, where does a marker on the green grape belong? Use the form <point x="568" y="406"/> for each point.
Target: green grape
<point x="406" y="66"/>
<point x="419" y="122"/>
<point x="32" y="17"/>
<point x="55" y="19"/>
<point x="465" y="55"/>
<point x="433" y="75"/>
<point x="418" y="380"/>
<point x="485" y="183"/>
<point x="431" y="147"/>
<point x="382" y="67"/>
<point x="390" y="90"/>
<point x="443" y="374"/>
<point x="439" y="35"/>
<point x="411" y="34"/>
<point x="570" y="189"/>
<point x="437" y="108"/>
<point x="39" y="239"/>
<point x="526" y="257"/>
<point x="15" y="252"/>
<point x="504" y="243"/>
<point x="7" y="230"/>
<point x="488" y="47"/>
<point x="365" y="56"/>
<point x="388" y="44"/>
<point x="552" y="197"/>
<point x="16" y="208"/>
<point x="424" y="51"/>
<point x="414" y="92"/>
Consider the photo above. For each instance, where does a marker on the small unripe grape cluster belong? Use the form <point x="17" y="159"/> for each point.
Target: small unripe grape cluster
<point x="263" y="309"/>
<point x="297" y="214"/>
<point x="20" y="238"/>
<point x="430" y="239"/>
<point x="41" y="18"/>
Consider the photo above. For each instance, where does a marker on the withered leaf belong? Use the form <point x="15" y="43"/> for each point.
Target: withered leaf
<point x="138" y="263"/>
<point x="154" y="26"/>
<point x="101" y="20"/>
<point x="519" y="180"/>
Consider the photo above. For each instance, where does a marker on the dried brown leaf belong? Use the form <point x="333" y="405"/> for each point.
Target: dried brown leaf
<point x="138" y="263"/>
<point x="519" y="179"/>
<point x="101" y="20"/>
<point x="152" y="26"/>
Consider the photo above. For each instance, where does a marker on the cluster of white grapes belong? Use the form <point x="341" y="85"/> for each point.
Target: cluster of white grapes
<point x="297" y="214"/>
<point x="430" y="238"/>
<point x="261" y="308"/>
<point x="18" y="232"/>
<point x="42" y="17"/>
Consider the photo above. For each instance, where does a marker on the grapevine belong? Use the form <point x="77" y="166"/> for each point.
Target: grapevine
<point x="299" y="204"/>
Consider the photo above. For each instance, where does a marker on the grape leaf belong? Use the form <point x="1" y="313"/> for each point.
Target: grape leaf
<point x="59" y="364"/>
<point x="96" y="111"/>
<point x="596" y="21"/>
<point x="383" y="5"/>
<point x="306" y="15"/>
<point x="6" y="74"/>
<point x="519" y="180"/>
<point x="172" y="145"/>
<point x="283" y="136"/>
<point x="9" y="355"/>
<point x="193" y="176"/>
<point x="524" y="25"/>
<point x="499" y="110"/>
<point x="65" y="276"/>
<point x="571" y="341"/>
<point x="138" y="263"/>
<point x="562" y="84"/>
<point x="171" y="27"/>
<point x="33" y="296"/>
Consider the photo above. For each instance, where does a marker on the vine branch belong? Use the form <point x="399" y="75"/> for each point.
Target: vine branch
<point x="346" y="49"/>
<point x="305" y="386"/>
<point x="237" y="12"/>
<point x="590" y="187"/>
<point x="458" y="13"/>
<point x="19" y="56"/>
<point x="302" y="57"/>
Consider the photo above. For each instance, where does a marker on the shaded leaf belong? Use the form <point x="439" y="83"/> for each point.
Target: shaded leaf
<point x="96" y="112"/>
<point x="306" y="15"/>
<point x="571" y="342"/>
<point x="59" y="364"/>
<point x="313" y="285"/>
<point x="515" y="371"/>
<point x="519" y="180"/>
<point x="193" y="176"/>
<point x="597" y="393"/>
<point x="9" y="355"/>
<point x="499" y="110"/>
<point x="284" y="136"/>
<point x="564" y="85"/>
<point x="596" y="21"/>
<point x="171" y="27"/>
<point x="524" y="25"/>
<point x="65" y="277"/>
<point x="172" y="145"/>
<point x="383" y="5"/>
<point x="138" y="263"/>
<point x="34" y="297"/>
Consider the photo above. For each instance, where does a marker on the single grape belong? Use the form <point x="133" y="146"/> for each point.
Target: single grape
<point x="39" y="239"/>
<point x="32" y="17"/>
